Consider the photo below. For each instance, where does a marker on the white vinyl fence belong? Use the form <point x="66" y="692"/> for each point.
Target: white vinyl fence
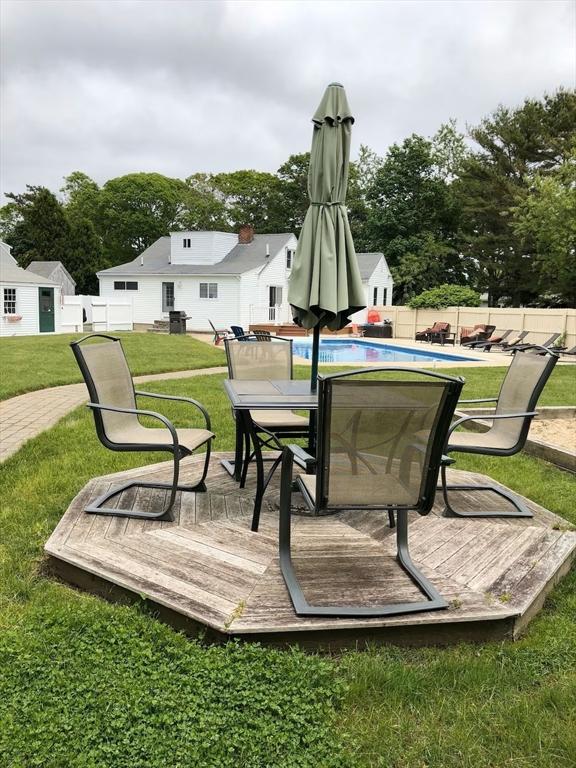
<point x="111" y="315"/>
<point x="71" y="314"/>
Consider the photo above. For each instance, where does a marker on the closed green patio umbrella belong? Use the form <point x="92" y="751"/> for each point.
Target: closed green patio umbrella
<point x="325" y="284"/>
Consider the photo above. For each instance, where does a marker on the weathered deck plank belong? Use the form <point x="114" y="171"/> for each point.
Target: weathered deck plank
<point x="208" y="568"/>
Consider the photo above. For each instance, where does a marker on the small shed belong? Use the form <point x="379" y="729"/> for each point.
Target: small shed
<point x="29" y="303"/>
<point x="56" y="272"/>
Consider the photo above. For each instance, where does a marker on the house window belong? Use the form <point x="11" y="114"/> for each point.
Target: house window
<point x="187" y="242"/>
<point x="385" y="296"/>
<point x="208" y="290"/>
<point x="289" y="258"/>
<point x="120" y="285"/>
<point x="9" y="301"/>
<point x="375" y="299"/>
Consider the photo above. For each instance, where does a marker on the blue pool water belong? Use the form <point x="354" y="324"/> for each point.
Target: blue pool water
<point x="361" y="351"/>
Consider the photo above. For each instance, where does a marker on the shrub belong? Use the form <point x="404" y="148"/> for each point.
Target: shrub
<point x="446" y="296"/>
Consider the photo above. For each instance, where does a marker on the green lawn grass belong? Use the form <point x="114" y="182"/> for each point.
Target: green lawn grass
<point x="84" y="683"/>
<point x="34" y="362"/>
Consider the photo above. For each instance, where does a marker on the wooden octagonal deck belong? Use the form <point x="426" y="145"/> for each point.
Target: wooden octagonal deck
<point x="208" y="572"/>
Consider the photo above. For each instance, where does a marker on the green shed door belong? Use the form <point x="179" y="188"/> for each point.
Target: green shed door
<point x="46" y="309"/>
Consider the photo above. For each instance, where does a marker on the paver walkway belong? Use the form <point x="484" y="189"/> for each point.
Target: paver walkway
<point x="25" y="416"/>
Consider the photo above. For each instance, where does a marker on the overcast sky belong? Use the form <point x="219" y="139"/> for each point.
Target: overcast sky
<point x="176" y="86"/>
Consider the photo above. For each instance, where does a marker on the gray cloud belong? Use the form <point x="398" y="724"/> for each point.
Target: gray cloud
<point x="173" y="86"/>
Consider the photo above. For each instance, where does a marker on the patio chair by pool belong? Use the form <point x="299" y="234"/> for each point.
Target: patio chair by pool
<point x="519" y="393"/>
<point x="438" y="327"/>
<point x="380" y="448"/>
<point x="495" y="338"/>
<point x="219" y="333"/>
<point x="505" y="345"/>
<point x="113" y="403"/>
<point x="545" y="344"/>
<point x="238" y="331"/>
<point x="260" y="360"/>
<point x="479" y="332"/>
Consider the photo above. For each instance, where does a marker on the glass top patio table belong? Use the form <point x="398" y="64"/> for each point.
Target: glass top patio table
<point x="288" y="394"/>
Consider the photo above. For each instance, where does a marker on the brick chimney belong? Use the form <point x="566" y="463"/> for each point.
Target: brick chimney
<point x="246" y="234"/>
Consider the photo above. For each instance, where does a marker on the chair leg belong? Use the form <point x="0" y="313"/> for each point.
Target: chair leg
<point x="434" y="600"/>
<point x="519" y="507"/>
<point x="98" y="507"/>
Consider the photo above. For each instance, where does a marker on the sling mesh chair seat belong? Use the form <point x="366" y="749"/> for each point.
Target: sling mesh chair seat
<point x="379" y="448"/>
<point x="116" y="415"/>
<point x="515" y="404"/>
<point x="268" y="358"/>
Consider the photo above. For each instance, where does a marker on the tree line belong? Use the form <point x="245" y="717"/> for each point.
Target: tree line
<point x="494" y="210"/>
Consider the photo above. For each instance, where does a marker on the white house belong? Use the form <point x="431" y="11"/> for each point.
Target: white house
<point x="56" y="272"/>
<point x="377" y="282"/>
<point x="31" y="303"/>
<point x="226" y="278"/>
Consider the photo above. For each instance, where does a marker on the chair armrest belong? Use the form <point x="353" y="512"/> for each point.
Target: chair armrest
<point x="490" y="418"/>
<point x="304" y="459"/>
<point x="139" y="412"/>
<point x="481" y="400"/>
<point x="182" y="399"/>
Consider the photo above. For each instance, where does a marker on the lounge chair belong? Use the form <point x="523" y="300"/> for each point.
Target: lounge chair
<point x="545" y="344"/>
<point x="505" y="345"/>
<point x="480" y="332"/>
<point x="514" y="411"/>
<point x="438" y="327"/>
<point x="113" y="403"/>
<point x="219" y="333"/>
<point x="269" y="358"/>
<point x="568" y="352"/>
<point x="380" y="448"/>
<point x="496" y="338"/>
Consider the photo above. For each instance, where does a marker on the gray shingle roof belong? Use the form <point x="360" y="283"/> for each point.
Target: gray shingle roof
<point x="242" y="258"/>
<point x="367" y="263"/>
<point x="46" y="268"/>
<point x="10" y="272"/>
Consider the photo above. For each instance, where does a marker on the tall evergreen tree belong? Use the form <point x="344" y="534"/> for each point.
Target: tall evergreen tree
<point x="41" y="231"/>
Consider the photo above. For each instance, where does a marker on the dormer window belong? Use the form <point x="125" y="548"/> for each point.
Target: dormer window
<point x="187" y="242"/>
<point x="289" y="258"/>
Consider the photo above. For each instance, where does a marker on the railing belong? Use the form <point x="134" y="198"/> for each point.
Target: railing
<point x="278" y="314"/>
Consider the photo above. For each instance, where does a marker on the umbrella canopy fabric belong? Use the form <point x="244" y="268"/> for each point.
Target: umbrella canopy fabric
<point x="325" y="284"/>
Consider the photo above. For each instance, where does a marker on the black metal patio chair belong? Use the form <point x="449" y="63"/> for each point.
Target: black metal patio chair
<point x="117" y="418"/>
<point x="380" y="448"/>
<point x="515" y="404"/>
<point x="264" y="358"/>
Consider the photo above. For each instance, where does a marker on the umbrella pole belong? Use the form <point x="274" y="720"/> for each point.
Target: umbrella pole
<point x="314" y="387"/>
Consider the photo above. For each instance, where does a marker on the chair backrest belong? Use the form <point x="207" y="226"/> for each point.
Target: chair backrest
<point x="519" y="393"/>
<point x="237" y="330"/>
<point x="260" y="359"/>
<point x="489" y="330"/>
<point x="380" y="441"/>
<point x="441" y="327"/>
<point x="105" y="370"/>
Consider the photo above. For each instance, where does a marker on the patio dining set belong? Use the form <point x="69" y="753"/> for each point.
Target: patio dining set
<point x="371" y="439"/>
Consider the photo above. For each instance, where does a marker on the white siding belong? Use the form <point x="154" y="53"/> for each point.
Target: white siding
<point x="381" y="279"/>
<point x="206" y="247"/>
<point x="147" y="300"/>
<point x="27" y="307"/>
<point x="275" y="273"/>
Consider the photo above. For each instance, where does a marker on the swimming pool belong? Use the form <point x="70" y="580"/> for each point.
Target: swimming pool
<point x="360" y="351"/>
